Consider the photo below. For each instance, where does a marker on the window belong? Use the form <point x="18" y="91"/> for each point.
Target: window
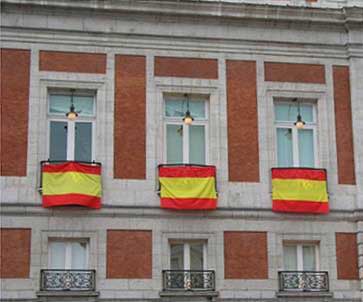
<point x="186" y="143"/>
<point x="71" y="140"/>
<point x="68" y="254"/>
<point x="301" y="257"/>
<point x="295" y="147"/>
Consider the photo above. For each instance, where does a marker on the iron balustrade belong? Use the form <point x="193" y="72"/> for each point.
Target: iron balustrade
<point x="67" y="280"/>
<point x="304" y="281"/>
<point x="200" y="280"/>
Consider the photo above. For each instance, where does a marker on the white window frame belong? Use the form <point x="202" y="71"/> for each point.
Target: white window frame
<point x="294" y="133"/>
<point x="71" y="125"/>
<point x="299" y="253"/>
<point x="68" y="251"/>
<point x="186" y="252"/>
<point x="185" y="129"/>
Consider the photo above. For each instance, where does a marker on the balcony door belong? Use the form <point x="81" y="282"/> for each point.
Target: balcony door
<point x="301" y="257"/>
<point x="68" y="255"/>
<point x="188" y="263"/>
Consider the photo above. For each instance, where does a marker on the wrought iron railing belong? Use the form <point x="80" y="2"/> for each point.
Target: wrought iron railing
<point x="305" y="281"/>
<point x="67" y="280"/>
<point x="188" y="280"/>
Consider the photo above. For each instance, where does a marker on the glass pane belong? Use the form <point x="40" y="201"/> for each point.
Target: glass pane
<point x="178" y="107"/>
<point x="290" y="258"/>
<point x="177" y="256"/>
<point x="57" y="252"/>
<point x="83" y="142"/>
<point x="306" y="147"/>
<point x="284" y="147"/>
<point x="58" y="141"/>
<point x="174" y="144"/>
<point x="289" y="112"/>
<point x="197" y="145"/>
<point x="60" y="104"/>
<point x="79" y="255"/>
<point x="196" y="256"/>
<point x="309" y="258"/>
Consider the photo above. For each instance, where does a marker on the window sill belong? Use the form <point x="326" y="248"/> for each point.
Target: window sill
<point x="67" y="293"/>
<point x="303" y="294"/>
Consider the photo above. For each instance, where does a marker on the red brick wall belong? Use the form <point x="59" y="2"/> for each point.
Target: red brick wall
<point x="347" y="256"/>
<point x="245" y="255"/>
<point x="14" y="103"/>
<point x="186" y="67"/>
<point x="130" y="117"/>
<point x="298" y="73"/>
<point x="15" y="253"/>
<point x="243" y="156"/>
<point x="129" y="254"/>
<point x="72" y="61"/>
<point x="343" y="125"/>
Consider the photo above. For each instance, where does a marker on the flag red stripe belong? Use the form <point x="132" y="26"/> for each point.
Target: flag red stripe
<point x="188" y="203"/>
<point x="300" y="207"/>
<point x="293" y="173"/>
<point x="72" y="167"/>
<point x="186" y="171"/>
<point x="71" y="199"/>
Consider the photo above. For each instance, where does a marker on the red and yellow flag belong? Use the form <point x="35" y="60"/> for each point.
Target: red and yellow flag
<point x="188" y="187"/>
<point x="71" y="183"/>
<point x="299" y="190"/>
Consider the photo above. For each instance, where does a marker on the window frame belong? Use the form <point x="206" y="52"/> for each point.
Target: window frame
<point x="314" y="126"/>
<point x="167" y="120"/>
<point x="71" y="125"/>
<point x="299" y="254"/>
<point x="68" y="251"/>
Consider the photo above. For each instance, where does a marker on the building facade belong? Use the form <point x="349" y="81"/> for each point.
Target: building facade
<point x="245" y="71"/>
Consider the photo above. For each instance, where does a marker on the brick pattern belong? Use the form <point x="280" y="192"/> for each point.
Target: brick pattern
<point x="243" y="156"/>
<point x="14" y="103"/>
<point x="186" y="67"/>
<point x="15" y="253"/>
<point x="130" y="117"/>
<point x="347" y="256"/>
<point x="245" y="255"/>
<point x="343" y="124"/>
<point x="295" y="73"/>
<point x="129" y="254"/>
<point x="79" y="62"/>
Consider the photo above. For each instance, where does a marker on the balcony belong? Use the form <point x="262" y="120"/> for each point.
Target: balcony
<point x="303" y="281"/>
<point x="67" y="280"/>
<point x="188" y="280"/>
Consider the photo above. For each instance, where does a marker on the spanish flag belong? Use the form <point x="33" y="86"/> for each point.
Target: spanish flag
<point x="188" y="187"/>
<point x="71" y="183"/>
<point x="299" y="190"/>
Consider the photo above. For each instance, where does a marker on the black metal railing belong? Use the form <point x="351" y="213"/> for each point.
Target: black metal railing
<point x="67" y="280"/>
<point x="304" y="281"/>
<point x="188" y="280"/>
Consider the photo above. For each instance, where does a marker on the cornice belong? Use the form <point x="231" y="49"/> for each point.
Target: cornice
<point x="113" y="211"/>
<point x="206" y="9"/>
<point x="12" y="35"/>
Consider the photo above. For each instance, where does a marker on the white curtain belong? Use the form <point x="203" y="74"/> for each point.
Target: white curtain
<point x="284" y="147"/>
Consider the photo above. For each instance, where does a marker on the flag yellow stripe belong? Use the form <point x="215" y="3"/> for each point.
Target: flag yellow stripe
<point x="299" y="189"/>
<point x="71" y="182"/>
<point x="187" y="187"/>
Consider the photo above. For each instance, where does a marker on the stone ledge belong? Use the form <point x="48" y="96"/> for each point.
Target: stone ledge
<point x="298" y="294"/>
<point x="189" y="293"/>
<point x="68" y="294"/>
